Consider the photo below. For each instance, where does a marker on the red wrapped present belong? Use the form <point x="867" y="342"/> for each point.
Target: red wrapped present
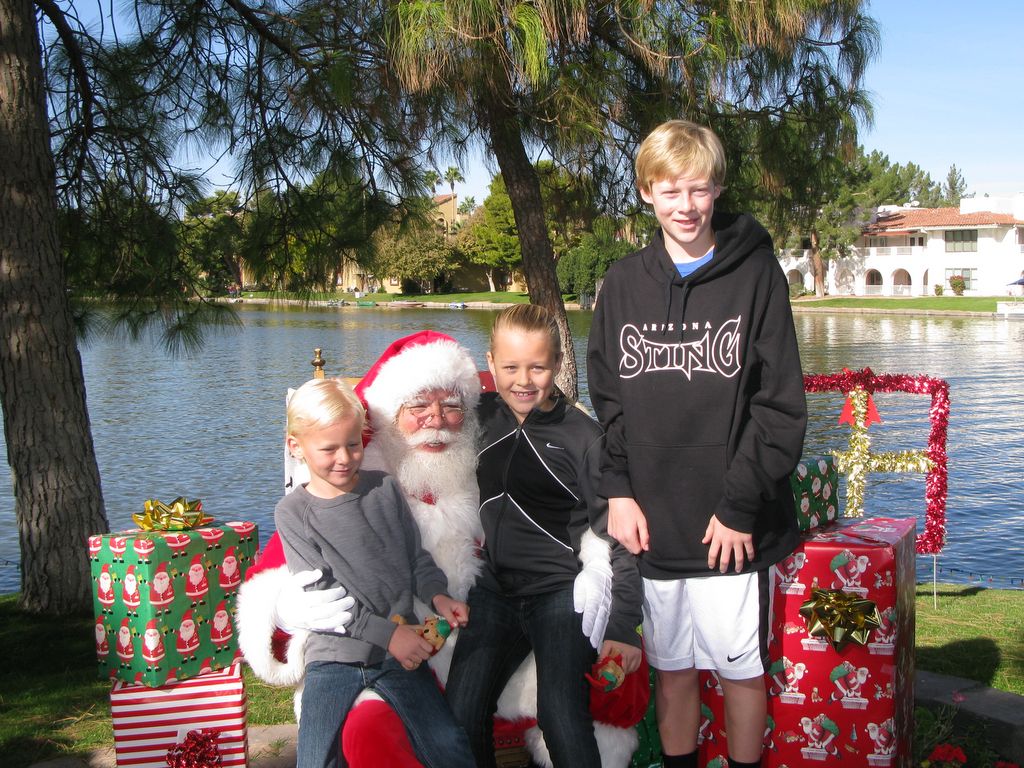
<point x="151" y="722"/>
<point x="841" y="681"/>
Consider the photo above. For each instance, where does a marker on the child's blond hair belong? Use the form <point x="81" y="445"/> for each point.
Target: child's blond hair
<point x="528" y="318"/>
<point x="320" y="403"/>
<point x="680" y="148"/>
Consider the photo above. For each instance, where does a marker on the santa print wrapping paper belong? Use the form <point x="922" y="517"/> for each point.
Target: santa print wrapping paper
<point x="149" y="721"/>
<point x="852" y="707"/>
<point x="815" y="484"/>
<point x="164" y="601"/>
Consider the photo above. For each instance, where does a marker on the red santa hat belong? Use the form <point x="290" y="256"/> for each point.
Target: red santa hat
<point x="151" y="624"/>
<point x="424" y="360"/>
<point x="187" y="616"/>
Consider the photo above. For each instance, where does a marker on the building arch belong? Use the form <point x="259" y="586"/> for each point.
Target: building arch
<point x="873" y="283"/>
<point x="901" y="282"/>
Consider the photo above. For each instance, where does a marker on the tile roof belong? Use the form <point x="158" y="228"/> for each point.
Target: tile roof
<point x="924" y="218"/>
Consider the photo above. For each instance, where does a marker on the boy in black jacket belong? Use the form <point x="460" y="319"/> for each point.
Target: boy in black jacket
<point x="694" y="372"/>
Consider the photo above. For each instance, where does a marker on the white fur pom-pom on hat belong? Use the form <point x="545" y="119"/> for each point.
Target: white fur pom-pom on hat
<point x="422" y="361"/>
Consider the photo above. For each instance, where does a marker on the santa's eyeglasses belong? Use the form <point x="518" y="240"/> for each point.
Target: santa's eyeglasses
<point x="425" y="412"/>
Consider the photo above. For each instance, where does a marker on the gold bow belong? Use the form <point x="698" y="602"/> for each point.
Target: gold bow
<point x="179" y="515"/>
<point x="840" y="617"/>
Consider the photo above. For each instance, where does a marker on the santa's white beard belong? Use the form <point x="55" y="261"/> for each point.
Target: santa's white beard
<point x="437" y="473"/>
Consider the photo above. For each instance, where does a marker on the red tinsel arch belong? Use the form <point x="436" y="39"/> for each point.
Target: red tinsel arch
<point x="931" y="540"/>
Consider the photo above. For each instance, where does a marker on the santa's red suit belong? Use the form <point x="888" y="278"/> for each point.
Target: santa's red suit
<point x="450" y="528"/>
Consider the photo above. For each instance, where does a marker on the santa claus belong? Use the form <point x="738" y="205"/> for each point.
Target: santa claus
<point x="196" y="583"/>
<point x="125" y="646"/>
<point x="188" y="638"/>
<point x="221" y="631"/>
<point x="130" y="592"/>
<point x="152" y="646"/>
<point x="436" y="469"/>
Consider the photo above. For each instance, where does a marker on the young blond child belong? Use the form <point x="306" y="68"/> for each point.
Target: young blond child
<point x="537" y="471"/>
<point x="356" y="528"/>
<point x="694" y="372"/>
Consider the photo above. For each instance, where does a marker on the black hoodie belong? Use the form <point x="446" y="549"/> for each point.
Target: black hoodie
<point x="698" y="384"/>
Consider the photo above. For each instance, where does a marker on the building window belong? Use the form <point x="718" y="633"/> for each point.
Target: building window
<point x="877" y="242"/>
<point x="958" y="240"/>
<point x="393" y="281"/>
<point x="917" y="240"/>
<point x="969" y="276"/>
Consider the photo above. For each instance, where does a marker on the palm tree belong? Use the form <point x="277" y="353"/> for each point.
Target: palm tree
<point x="431" y="179"/>
<point x="453" y="175"/>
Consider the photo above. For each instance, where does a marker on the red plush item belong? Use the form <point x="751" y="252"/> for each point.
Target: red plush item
<point x="626" y="705"/>
<point x="374" y="736"/>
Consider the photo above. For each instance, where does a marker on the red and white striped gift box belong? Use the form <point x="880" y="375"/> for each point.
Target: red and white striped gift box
<point x="149" y="721"/>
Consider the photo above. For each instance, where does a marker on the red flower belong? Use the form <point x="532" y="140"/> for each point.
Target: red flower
<point x="947" y="753"/>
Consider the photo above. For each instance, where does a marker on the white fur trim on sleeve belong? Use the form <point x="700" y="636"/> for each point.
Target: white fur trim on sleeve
<point x="255" y="619"/>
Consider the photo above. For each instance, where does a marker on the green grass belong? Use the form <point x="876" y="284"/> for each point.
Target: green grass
<point x="52" y="703"/>
<point x="974" y="633"/>
<point x="920" y="303"/>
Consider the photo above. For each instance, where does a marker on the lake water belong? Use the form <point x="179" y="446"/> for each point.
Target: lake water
<point x="211" y="426"/>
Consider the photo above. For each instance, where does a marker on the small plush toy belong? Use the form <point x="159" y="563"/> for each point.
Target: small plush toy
<point x="607" y="673"/>
<point x="434" y="630"/>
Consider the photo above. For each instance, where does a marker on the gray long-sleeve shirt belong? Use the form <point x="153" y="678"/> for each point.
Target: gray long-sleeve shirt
<point x="367" y="541"/>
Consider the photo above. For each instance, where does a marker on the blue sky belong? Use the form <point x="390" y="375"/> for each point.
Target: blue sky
<point x="947" y="87"/>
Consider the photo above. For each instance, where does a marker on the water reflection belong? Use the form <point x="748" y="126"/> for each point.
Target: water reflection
<point x="211" y="426"/>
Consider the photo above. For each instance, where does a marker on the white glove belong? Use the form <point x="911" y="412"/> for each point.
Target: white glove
<point x="592" y="596"/>
<point x="319" y="610"/>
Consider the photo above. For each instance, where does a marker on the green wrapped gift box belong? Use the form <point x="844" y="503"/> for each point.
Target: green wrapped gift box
<point x="164" y="600"/>
<point x="815" y="484"/>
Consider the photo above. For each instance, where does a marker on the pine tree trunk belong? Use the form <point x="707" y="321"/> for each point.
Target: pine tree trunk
<point x="58" y="501"/>
<point x="523" y="188"/>
<point x="817" y="266"/>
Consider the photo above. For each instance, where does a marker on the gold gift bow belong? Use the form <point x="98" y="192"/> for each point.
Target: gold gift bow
<point x="179" y="515"/>
<point x="840" y="617"/>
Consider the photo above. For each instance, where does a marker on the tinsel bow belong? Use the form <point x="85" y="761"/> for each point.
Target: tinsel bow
<point x="198" y="750"/>
<point x="840" y="617"/>
<point x="181" y="514"/>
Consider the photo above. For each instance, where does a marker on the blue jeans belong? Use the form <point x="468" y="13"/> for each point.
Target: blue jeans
<point x="501" y="633"/>
<point x="332" y="687"/>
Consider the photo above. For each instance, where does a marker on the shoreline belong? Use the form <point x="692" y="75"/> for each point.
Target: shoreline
<point x="398" y="304"/>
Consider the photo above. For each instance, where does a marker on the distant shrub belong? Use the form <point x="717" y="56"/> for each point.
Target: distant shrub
<point x="938" y="290"/>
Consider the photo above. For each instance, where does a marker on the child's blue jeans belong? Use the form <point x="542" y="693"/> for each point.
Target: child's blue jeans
<point x="332" y="687"/>
<point x="501" y="633"/>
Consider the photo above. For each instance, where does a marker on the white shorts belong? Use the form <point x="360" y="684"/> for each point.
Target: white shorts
<point x="714" y="622"/>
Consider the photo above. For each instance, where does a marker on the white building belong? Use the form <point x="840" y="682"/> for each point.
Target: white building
<point x="906" y="251"/>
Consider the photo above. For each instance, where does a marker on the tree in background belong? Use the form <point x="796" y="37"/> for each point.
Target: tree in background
<point x="955" y="187"/>
<point x="584" y="264"/>
<point x="212" y="232"/>
<point x="453" y="176"/>
<point x="857" y="187"/>
<point x="489" y="237"/>
<point x="417" y="255"/>
<point x="432" y="178"/>
<point x="468" y="205"/>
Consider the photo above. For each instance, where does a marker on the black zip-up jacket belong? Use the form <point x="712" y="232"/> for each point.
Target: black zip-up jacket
<point x="538" y="495"/>
<point x="698" y="384"/>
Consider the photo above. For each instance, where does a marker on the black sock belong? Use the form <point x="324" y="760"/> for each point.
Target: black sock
<point x="738" y="764"/>
<point x="688" y="760"/>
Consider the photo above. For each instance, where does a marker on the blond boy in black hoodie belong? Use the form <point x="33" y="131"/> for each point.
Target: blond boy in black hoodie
<point x="694" y="371"/>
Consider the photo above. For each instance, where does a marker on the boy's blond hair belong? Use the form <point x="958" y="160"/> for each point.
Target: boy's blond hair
<point x="528" y="318"/>
<point x="680" y="148"/>
<point x="320" y="403"/>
